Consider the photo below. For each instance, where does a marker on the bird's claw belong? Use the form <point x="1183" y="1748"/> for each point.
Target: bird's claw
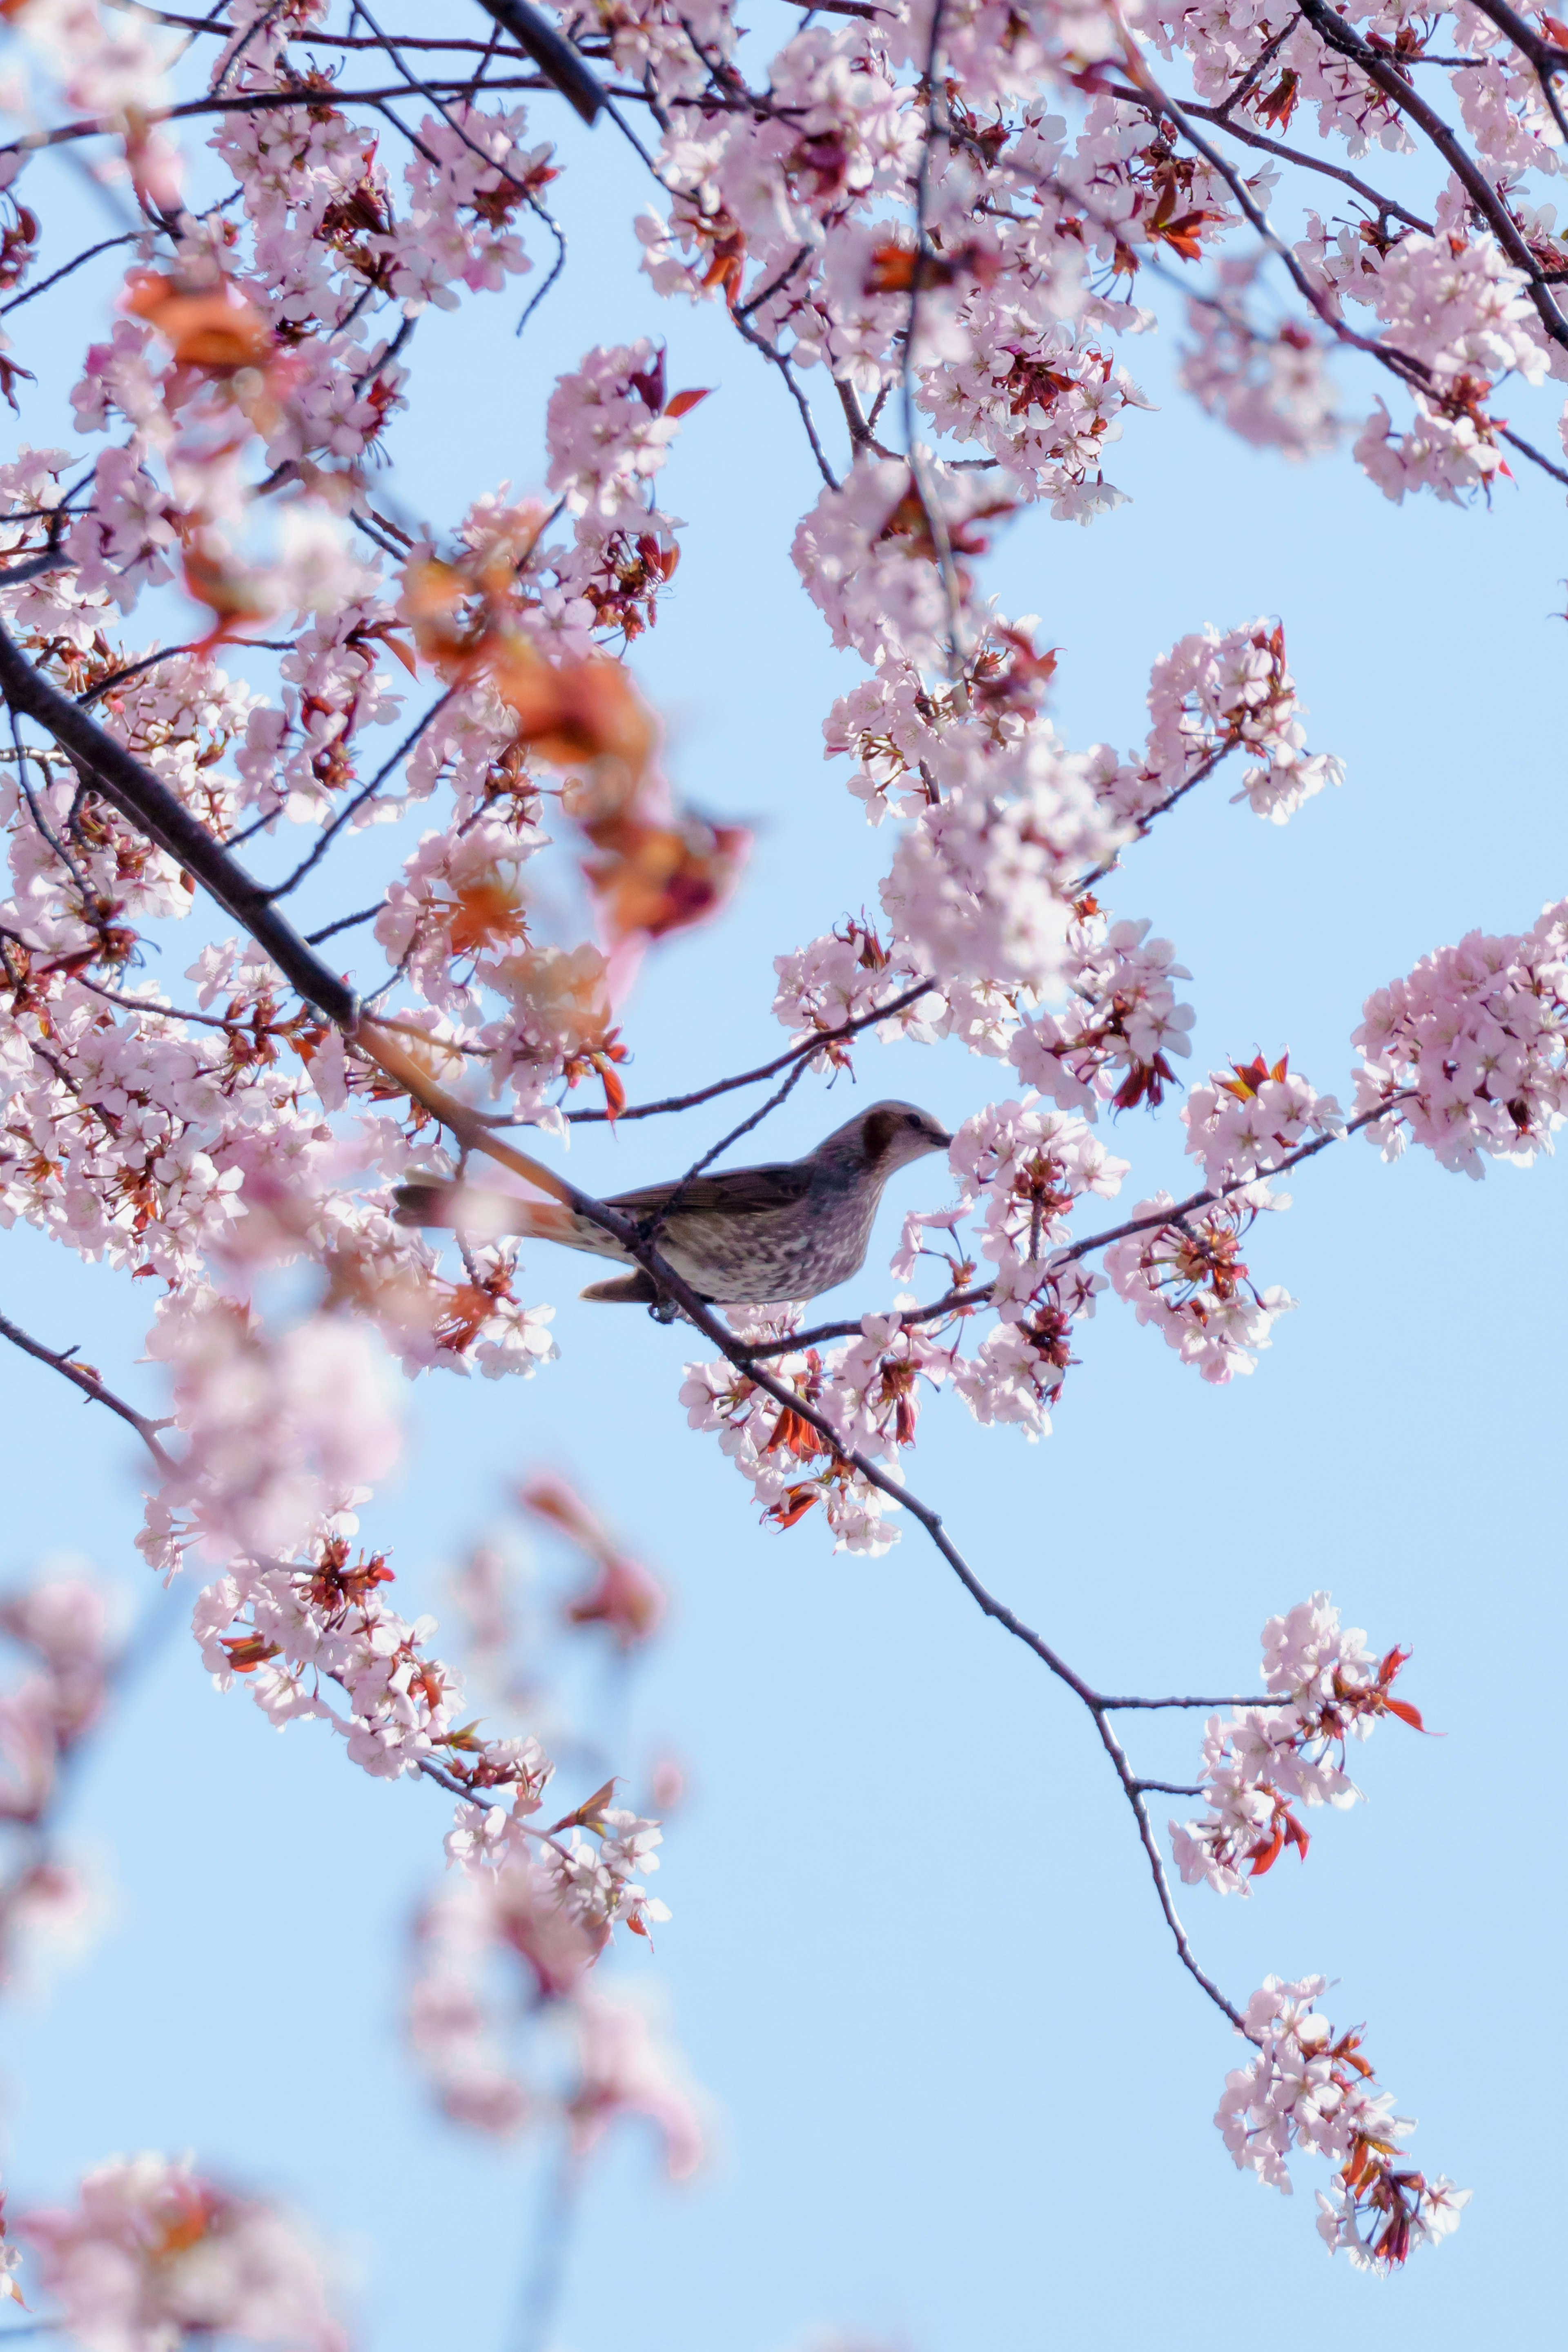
<point x="664" y="1310"/>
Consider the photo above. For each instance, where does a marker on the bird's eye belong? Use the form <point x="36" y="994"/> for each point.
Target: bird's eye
<point x="912" y="1119"/>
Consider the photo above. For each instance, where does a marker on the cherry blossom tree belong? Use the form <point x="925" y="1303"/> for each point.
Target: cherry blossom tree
<point x="237" y="666"/>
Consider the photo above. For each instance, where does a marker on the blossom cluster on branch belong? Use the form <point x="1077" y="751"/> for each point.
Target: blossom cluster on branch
<point x="505" y="2018"/>
<point x="1311" y="2088"/>
<point x="1262" y="1761"/>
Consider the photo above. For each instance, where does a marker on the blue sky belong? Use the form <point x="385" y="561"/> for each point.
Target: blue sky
<point x="963" y="2092"/>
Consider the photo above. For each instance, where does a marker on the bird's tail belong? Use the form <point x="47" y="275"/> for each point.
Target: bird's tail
<point x="451" y="1207"/>
<point x="625" y="1290"/>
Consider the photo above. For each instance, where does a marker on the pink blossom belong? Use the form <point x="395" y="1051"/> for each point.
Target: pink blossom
<point x="1187" y="1279"/>
<point x="625" y="2071"/>
<point x="153" y="2252"/>
<point x="1469" y="1050"/>
<point x="1242" y="1126"/>
<point x="1309" y="2088"/>
<point x="1262" y="1761"/>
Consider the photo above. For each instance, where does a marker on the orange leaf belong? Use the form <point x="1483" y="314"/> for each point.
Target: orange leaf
<point x="1263" y="1857"/>
<point x="217" y="329"/>
<point x="892" y="270"/>
<point x="791" y="1506"/>
<point x="1280" y="102"/>
<point x="657" y="878"/>
<point x="572" y="710"/>
<point x="614" y="1092"/>
<point x="1406" y="1711"/>
<point x="684" y="403"/>
<point x="587" y="1812"/>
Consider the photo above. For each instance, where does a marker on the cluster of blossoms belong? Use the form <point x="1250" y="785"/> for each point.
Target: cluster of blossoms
<point x="1242" y="1126"/>
<point x="1271" y="389"/>
<point x="1186" y="1275"/>
<point x="788" y="1464"/>
<point x="1215" y="692"/>
<point x="1464" y="316"/>
<point x="152" y="2255"/>
<point x="987" y="897"/>
<point x="592" y="2055"/>
<point x="1470" y="1052"/>
<point x="1262" y="1761"/>
<point x="62" y="1625"/>
<point x="1311" y="2088"/>
<point x="503" y="1953"/>
<point x="1122" y="1023"/>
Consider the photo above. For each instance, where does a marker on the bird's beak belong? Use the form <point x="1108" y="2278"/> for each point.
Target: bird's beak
<point x="943" y="1142"/>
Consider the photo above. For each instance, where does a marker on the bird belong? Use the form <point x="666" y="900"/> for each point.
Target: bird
<point x="790" y="1229"/>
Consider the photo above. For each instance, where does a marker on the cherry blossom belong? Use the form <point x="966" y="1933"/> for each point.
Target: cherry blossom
<point x="152" y="2252"/>
<point x="1188" y="1279"/>
<point x="1471" y="1045"/>
<point x="1262" y="1761"/>
<point x="1311" y="2088"/>
<point x="1242" y="1126"/>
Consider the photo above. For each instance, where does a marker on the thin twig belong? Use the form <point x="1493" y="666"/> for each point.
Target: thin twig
<point x="343" y="923"/>
<point x="366" y="792"/>
<point x="130" y="236"/>
<point x="655" y="1225"/>
<point x="805" y="1048"/>
<point x="82" y="1376"/>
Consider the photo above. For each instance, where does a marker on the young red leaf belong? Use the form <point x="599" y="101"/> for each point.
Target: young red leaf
<point x="1406" y="1711"/>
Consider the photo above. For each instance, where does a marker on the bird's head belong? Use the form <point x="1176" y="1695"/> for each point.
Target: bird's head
<point x="890" y="1134"/>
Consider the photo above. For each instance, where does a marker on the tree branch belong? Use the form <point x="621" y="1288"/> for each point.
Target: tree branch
<point x="805" y="1046"/>
<point x="82" y="1376"/>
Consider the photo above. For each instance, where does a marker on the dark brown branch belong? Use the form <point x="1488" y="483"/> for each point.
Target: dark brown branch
<point x="168" y="653"/>
<point x="1250" y="1698"/>
<point x="82" y="1376"/>
<point x="1242" y="90"/>
<point x="366" y="792"/>
<point x="1411" y="372"/>
<point x="1204" y="769"/>
<point x="263" y="102"/>
<point x="343" y="923"/>
<point x="782" y="361"/>
<point x="250" y="1027"/>
<point x="1547" y="58"/>
<point x="43" y="284"/>
<point x="551" y="52"/>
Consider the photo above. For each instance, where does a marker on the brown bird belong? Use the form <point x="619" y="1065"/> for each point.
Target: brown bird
<point x="746" y="1235"/>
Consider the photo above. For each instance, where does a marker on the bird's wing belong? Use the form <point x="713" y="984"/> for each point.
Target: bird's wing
<point x="734" y="1191"/>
